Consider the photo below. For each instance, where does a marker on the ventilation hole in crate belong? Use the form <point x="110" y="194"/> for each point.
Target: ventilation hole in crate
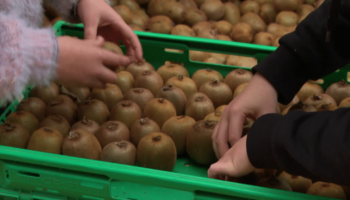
<point x="174" y="50"/>
<point x="187" y="165"/>
<point x="173" y="62"/>
<point x="29" y="174"/>
<point x="7" y="174"/>
<point x="319" y="81"/>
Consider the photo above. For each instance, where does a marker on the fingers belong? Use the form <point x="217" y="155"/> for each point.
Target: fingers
<point x="220" y="170"/>
<point x="106" y="75"/>
<point x="134" y="47"/>
<point x="236" y="127"/>
<point x="220" y="136"/>
<point x="114" y="60"/>
<point x="90" y="29"/>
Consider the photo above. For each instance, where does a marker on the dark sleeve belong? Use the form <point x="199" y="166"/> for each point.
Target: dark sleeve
<point x="304" y="53"/>
<point x="314" y="145"/>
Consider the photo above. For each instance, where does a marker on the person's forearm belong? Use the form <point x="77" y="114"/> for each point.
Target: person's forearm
<point x="314" y="145"/>
<point x="304" y="54"/>
<point x="27" y="56"/>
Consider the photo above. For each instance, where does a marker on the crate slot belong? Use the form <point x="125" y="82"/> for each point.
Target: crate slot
<point x="46" y="190"/>
<point x="92" y="198"/>
<point x="7" y="174"/>
<point x="28" y="174"/>
<point x="92" y="185"/>
<point x="179" y="51"/>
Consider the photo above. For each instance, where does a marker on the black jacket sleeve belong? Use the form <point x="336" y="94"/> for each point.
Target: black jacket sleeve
<point x="304" y="54"/>
<point x="314" y="145"/>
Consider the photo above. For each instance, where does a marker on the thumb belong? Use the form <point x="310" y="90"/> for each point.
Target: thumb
<point x="90" y="29"/>
<point x="220" y="169"/>
<point x="107" y="76"/>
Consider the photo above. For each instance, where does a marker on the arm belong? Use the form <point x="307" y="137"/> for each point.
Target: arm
<point x="304" y="54"/>
<point x="27" y="55"/>
<point x="314" y="145"/>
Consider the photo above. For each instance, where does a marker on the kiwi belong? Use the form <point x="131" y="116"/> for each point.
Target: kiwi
<point x="121" y="152"/>
<point x="199" y="2"/>
<point x="198" y="55"/>
<point x="176" y="96"/>
<point x="223" y="27"/>
<point x="86" y="124"/>
<point x="138" y="67"/>
<point x="214" y="9"/>
<point x="345" y="103"/>
<point x="201" y="26"/>
<point x="177" y="128"/>
<point x="298" y="183"/>
<point x="155" y="7"/>
<point x="188" y="3"/>
<point x="213" y="60"/>
<point x="218" y="92"/>
<point x="136" y="28"/>
<point x="141" y="13"/>
<point x="64" y="106"/>
<point x="285" y="5"/>
<point x="26" y="119"/>
<point x="110" y="46"/>
<point x="239" y="89"/>
<point x="143" y="2"/>
<point x="81" y="92"/>
<point x="326" y="190"/>
<point x="328" y="106"/>
<point x="125" y="81"/>
<point x="318" y="3"/>
<point x="56" y="122"/>
<point x="220" y="109"/>
<point x="138" y="21"/>
<point x="287" y="18"/>
<point x="171" y="69"/>
<point x="198" y="106"/>
<point x="33" y="105"/>
<point x="268" y="13"/>
<point x="300" y="106"/>
<point x="262" y="2"/>
<point x="157" y="151"/>
<point x="272" y="28"/>
<point x="141" y="96"/>
<point x="111" y="95"/>
<point x="199" y="143"/>
<point x="131" y="4"/>
<point x="282" y="31"/>
<point x="255" y="21"/>
<point x="339" y="90"/>
<point x="159" y="110"/>
<point x="46" y="93"/>
<point x="175" y="11"/>
<point x="81" y="143"/>
<point x="221" y="57"/>
<point x="112" y="131"/>
<point x="124" y="12"/>
<point x="309" y="89"/>
<point x="249" y="6"/>
<point x="149" y="79"/>
<point x="95" y="110"/>
<point x="127" y="112"/>
<point x="186" y="84"/>
<point x="183" y="30"/>
<point x="46" y="140"/>
<point x="204" y="75"/>
<point x="242" y="32"/>
<point x="232" y="13"/>
<point x="208" y="33"/>
<point x="241" y="61"/>
<point x="275" y="183"/>
<point x="113" y="2"/>
<point x="223" y="37"/>
<point x="14" y="135"/>
<point x="317" y="99"/>
<point x="194" y="16"/>
<point x="160" y="24"/>
<point x="237" y="77"/>
<point x="301" y="18"/>
<point x="141" y="128"/>
<point x="305" y="9"/>
<point x="213" y="117"/>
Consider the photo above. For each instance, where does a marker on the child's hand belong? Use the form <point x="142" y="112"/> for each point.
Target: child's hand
<point x="100" y="19"/>
<point x="234" y="163"/>
<point x="82" y="62"/>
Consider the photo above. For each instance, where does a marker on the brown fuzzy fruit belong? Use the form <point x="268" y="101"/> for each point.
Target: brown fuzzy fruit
<point x="232" y="13"/>
<point x="213" y="60"/>
<point x="220" y="110"/>
<point x="339" y="90"/>
<point x="213" y="117"/>
<point x="81" y="92"/>
<point x="95" y="110"/>
<point x="157" y="151"/>
<point x="45" y="93"/>
<point x="268" y="13"/>
<point x="204" y="75"/>
<point x="81" y="143"/>
<point x="138" y="67"/>
<point x="13" y="135"/>
<point x="86" y="124"/>
<point x="237" y="77"/>
<point x="64" y="106"/>
<point x="214" y="9"/>
<point x="136" y="28"/>
<point x="263" y="38"/>
<point x="198" y="55"/>
<point x="208" y="33"/>
<point x="199" y="144"/>
<point x="127" y="112"/>
<point x="177" y="128"/>
<point x="111" y="95"/>
<point x="33" y="105"/>
<point x="345" y="103"/>
<point x="327" y="190"/>
<point x="223" y="27"/>
<point x="183" y="30"/>
<point x="186" y="84"/>
<point x="159" y="110"/>
<point x="298" y="183"/>
<point x="160" y="24"/>
<point x="241" y="61"/>
<point x="218" y="92"/>
<point x="188" y="3"/>
<point x="194" y="15"/>
<point x="272" y="28"/>
<point x="112" y="131"/>
<point x="285" y="5"/>
<point x="110" y="46"/>
<point x="324" y="107"/>
<point x="275" y="183"/>
<point x="239" y="89"/>
<point x="124" y="12"/>
<point x="141" y="13"/>
<point x="46" y="140"/>
<point x="221" y="57"/>
<point x="155" y="7"/>
<point x="121" y="152"/>
<point x="142" y="2"/>
<point x="149" y="79"/>
<point x="224" y="37"/>
<point x="249" y="6"/>
<point x="309" y="89"/>
<point x="138" y="21"/>
<point x="255" y="21"/>
<point x="171" y="69"/>
<point x="305" y="9"/>
<point x="141" y="128"/>
<point x="131" y="4"/>
<point x="201" y="26"/>
<point x="287" y="18"/>
<point x="317" y="99"/>
<point x="175" y="11"/>
<point x="198" y="106"/>
<point x="56" y="122"/>
<point x="242" y="32"/>
<point x="125" y="81"/>
<point x="26" y="119"/>
<point x="174" y="95"/>
<point x="141" y="96"/>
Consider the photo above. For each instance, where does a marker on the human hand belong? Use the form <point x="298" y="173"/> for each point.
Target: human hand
<point x="82" y="62"/>
<point x="257" y="99"/>
<point x="100" y="19"/>
<point x="234" y="163"/>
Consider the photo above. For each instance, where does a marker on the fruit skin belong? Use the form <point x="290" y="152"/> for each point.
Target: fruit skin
<point x="327" y="190"/>
<point x="276" y="183"/>
<point x="141" y="96"/>
<point x="46" y="140"/>
<point x="127" y="112"/>
<point x="45" y="93"/>
<point x="159" y="110"/>
<point x="64" y="106"/>
<point x="160" y="24"/>
<point x="198" y="106"/>
<point x="94" y="110"/>
<point x="157" y="151"/>
<point x="141" y="128"/>
<point x="26" y="119"/>
<point x="56" y="122"/>
<point x="112" y="131"/>
<point x="242" y="32"/>
<point x="110" y="96"/>
<point x="33" y="105"/>
<point x="214" y="9"/>
<point x="13" y="135"/>
<point x="122" y="152"/>
<point x="298" y="183"/>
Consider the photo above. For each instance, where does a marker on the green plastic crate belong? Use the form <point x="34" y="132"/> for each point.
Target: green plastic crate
<point x="31" y="175"/>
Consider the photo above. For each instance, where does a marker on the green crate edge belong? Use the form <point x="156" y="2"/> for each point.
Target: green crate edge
<point x="131" y="173"/>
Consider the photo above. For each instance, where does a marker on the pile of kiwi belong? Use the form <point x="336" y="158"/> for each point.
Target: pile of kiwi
<point x="152" y="115"/>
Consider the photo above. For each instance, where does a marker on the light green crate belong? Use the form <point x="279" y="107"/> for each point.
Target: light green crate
<point x="31" y="175"/>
